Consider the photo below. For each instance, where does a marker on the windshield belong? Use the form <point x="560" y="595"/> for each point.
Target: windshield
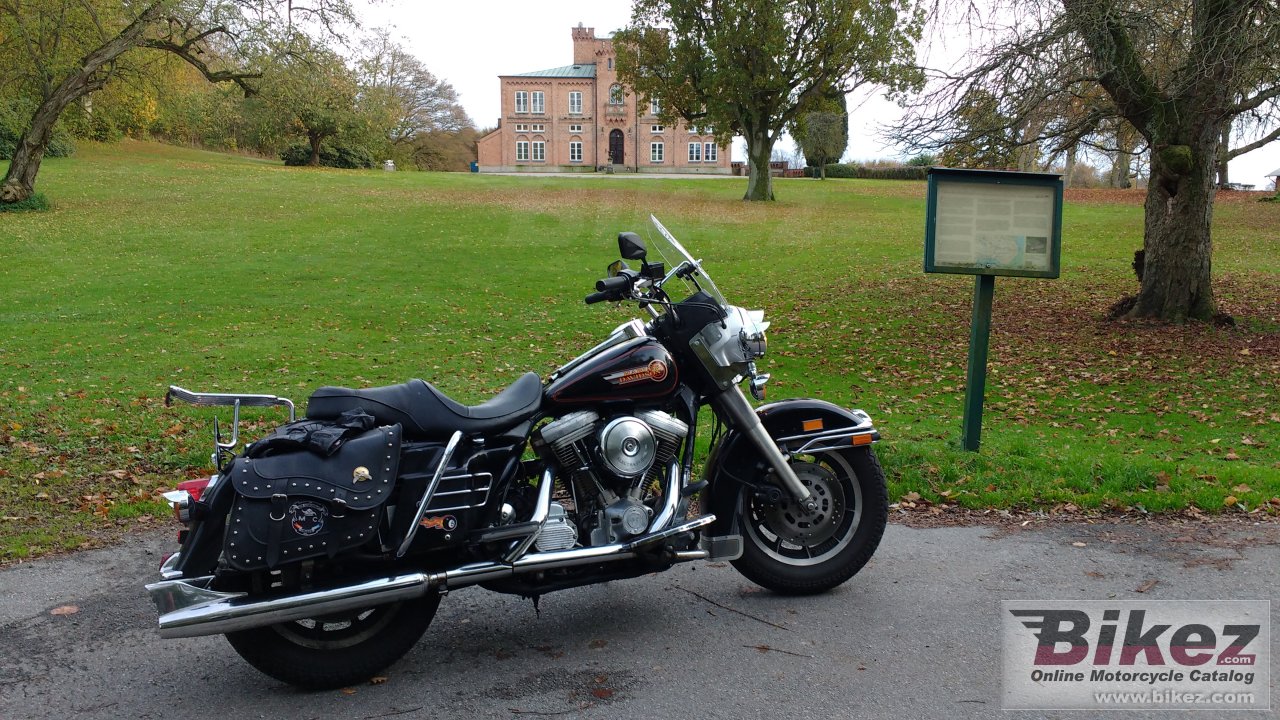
<point x="673" y="254"/>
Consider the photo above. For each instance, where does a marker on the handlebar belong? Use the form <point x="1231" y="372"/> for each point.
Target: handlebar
<point x="596" y="297"/>
<point x="617" y="282"/>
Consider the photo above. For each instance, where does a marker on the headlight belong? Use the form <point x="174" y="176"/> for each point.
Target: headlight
<point x="754" y="345"/>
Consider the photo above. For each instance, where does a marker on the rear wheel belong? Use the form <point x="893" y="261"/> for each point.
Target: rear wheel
<point x="797" y="552"/>
<point x="336" y="650"/>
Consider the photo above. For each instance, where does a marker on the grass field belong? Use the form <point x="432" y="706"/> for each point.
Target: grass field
<point x="161" y="265"/>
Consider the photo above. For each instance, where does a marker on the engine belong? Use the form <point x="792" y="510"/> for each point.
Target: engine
<point x="609" y="463"/>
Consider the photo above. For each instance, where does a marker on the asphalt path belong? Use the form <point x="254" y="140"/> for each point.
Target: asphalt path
<point x="915" y="635"/>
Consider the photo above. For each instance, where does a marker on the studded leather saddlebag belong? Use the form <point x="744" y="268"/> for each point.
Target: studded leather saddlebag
<point x="300" y="505"/>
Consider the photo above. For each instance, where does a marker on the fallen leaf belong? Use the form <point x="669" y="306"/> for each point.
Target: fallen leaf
<point x="1077" y="544"/>
<point x="602" y="693"/>
<point x="1230" y="500"/>
<point x="1231" y="455"/>
<point x="377" y="679"/>
<point x="1146" y="586"/>
<point x="1242" y="488"/>
<point x="65" y="610"/>
<point x="348" y="691"/>
<point x="1094" y="574"/>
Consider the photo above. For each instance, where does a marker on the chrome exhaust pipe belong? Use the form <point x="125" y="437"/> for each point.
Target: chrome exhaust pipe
<point x="189" y="609"/>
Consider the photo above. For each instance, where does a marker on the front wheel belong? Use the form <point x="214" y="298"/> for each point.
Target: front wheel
<point x="336" y="650"/>
<point x="796" y="552"/>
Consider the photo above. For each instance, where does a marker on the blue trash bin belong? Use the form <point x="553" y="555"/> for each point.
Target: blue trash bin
<point x="475" y="167"/>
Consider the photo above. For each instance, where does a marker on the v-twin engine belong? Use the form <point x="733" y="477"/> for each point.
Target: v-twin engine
<point x="627" y="448"/>
<point x="613" y="460"/>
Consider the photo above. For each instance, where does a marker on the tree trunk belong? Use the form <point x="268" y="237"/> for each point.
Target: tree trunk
<point x="759" y="181"/>
<point x="20" y="180"/>
<point x="314" y="139"/>
<point x="1224" y="177"/>
<point x="1176" y="276"/>
<point x="1070" y="167"/>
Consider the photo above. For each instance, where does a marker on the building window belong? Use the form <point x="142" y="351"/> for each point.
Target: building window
<point x="575" y="128"/>
<point x="655" y="106"/>
<point x="522" y="151"/>
<point x="539" y="103"/>
<point x="656" y="152"/>
<point x="711" y="152"/>
<point x="539" y="128"/>
<point x="539" y="151"/>
<point x="615" y="95"/>
<point x="695" y="152"/>
<point x="575" y="151"/>
<point x="610" y="63"/>
<point x="575" y="103"/>
<point x="522" y="127"/>
<point x="522" y="101"/>
<point x="656" y="128"/>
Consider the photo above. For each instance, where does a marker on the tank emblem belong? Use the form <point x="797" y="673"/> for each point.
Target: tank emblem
<point x="307" y="517"/>
<point x="442" y="522"/>
<point x="655" y="371"/>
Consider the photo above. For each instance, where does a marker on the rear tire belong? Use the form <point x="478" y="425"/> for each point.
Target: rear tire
<point x="796" y="553"/>
<point x="338" y="650"/>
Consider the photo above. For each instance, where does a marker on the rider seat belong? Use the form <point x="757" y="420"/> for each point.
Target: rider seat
<point x="426" y="413"/>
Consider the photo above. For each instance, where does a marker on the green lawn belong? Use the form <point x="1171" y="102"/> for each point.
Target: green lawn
<point x="161" y="265"/>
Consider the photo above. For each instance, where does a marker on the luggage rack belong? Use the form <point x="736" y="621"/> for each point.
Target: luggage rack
<point x="236" y="400"/>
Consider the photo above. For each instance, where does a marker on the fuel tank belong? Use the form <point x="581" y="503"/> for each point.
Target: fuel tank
<point x="638" y="369"/>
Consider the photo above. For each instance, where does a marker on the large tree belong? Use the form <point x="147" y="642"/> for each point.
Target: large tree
<point x="1179" y="72"/>
<point x="414" y="100"/>
<point x="748" y="67"/>
<point x="71" y="48"/>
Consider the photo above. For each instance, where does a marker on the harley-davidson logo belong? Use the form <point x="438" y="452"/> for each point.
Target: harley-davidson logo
<point x="442" y="522"/>
<point x="656" y="371"/>
<point x="307" y="517"/>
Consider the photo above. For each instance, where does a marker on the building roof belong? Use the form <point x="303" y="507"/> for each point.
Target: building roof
<point x="586" y="70"/>
<point x="1273" y="173"/>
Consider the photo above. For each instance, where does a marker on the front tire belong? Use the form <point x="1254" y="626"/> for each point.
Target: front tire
<point x="337" y="650"/>
<point x="796" y="553"/>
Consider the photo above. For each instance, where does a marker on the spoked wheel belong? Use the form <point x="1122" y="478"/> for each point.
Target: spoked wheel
<point x="795" y="551"/>
<point x="336" y="650"/>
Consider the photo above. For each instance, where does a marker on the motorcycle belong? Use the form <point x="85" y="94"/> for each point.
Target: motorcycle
<point x="322" y="551"/>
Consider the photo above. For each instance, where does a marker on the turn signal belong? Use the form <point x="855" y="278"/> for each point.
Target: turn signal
<point x="859" y="440"/>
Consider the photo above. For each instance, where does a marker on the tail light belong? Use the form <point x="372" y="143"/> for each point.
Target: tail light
<point x="195" y="488"/>
<point x="188" y="492"/>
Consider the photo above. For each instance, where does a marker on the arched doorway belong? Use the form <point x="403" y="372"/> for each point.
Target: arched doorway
<point x="617" y="153"/>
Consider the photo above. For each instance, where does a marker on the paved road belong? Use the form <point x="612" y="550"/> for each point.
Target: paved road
<point x="913" y="636"/>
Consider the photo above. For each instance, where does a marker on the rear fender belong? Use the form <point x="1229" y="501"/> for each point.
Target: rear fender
<point x="798" y="426"/>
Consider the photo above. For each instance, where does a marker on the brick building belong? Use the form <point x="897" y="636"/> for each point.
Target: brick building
<point x="579" y="118"/>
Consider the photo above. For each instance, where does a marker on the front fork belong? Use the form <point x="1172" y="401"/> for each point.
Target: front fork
<point x="737" y="411"/>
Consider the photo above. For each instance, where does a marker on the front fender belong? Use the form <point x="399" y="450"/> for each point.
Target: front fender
<point x="798" y="425"/>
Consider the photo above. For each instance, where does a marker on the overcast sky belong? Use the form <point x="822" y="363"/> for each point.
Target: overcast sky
<point x="470" y="43"/>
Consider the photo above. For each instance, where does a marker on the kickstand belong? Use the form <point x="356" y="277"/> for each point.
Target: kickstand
<point x="537" y="612"/>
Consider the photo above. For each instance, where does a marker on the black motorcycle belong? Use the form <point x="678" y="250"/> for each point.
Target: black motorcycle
<point x="322" y="550"/>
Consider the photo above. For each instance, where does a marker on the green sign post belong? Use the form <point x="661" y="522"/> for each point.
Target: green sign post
<point x="988" y="223"/>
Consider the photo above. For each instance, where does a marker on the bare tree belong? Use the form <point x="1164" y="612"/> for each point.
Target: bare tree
<point x="1178" y="71"/>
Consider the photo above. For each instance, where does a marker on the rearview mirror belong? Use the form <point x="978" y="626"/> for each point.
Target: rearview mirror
<point x="616" y="267"/>
<point x="631" y="246"/>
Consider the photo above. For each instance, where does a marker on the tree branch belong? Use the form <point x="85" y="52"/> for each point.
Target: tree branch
<point x="184" y="51"/>
<point x="1264" y="140"/>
